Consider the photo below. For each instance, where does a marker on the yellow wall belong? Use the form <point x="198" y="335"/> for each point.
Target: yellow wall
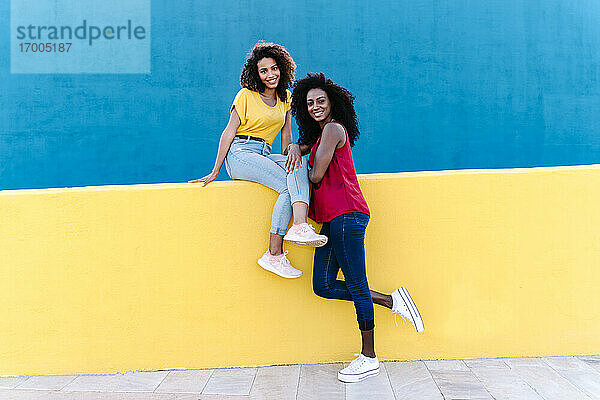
<point x="107" y="279"/>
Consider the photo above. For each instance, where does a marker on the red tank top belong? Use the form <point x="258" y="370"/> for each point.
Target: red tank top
<point x="338" y="193"/>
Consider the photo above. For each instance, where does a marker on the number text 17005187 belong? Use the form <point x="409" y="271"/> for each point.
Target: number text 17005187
<point x="45" y="47"/>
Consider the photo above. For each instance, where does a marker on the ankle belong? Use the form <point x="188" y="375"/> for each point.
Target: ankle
<point x="389" y="302"/>
<point x="369" y="354"/>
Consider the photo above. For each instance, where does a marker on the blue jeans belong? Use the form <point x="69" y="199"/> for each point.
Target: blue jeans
<point x="251" y="160"/>
<point x="345" y="249"/>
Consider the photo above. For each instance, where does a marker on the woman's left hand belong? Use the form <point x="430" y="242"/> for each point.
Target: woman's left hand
<point x="294" y="158"/>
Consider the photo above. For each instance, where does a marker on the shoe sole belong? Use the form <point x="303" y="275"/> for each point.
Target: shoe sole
<point x="357" y="378"/>
<point x="311" y="243"/>
<point x="267" y="268"/>
<point x="412" y="309"/>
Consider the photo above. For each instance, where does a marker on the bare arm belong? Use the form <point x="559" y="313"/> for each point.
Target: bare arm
<point x="303" y="148"/>
<point x="224" y="143"/>
<point x="333" y="137"/>
<point x="286" y="133"/>
<point x="291" y="150"/>
<point x="294" y="153"/>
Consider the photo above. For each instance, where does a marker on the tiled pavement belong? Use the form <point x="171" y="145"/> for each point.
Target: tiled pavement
<point x="550" y="378"/>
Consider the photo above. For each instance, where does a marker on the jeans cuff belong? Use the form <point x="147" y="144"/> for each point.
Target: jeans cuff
<point x="366" y="325"/>
<point x="278" y="231"/>
<point x="299" y="199"/>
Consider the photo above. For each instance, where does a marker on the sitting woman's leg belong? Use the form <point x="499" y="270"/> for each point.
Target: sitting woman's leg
<point x="298" y="187"/>
<point x="257" y="167"/>
<point x="251" y="163"/>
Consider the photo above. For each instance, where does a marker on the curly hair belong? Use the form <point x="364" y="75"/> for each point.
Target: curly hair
<point x="250" y="78"/>
<point x="342" y="108"/>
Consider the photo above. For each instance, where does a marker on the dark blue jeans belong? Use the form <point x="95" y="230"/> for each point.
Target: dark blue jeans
<point x="345" y="249"/>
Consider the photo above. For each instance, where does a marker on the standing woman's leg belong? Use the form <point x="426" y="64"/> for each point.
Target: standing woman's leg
<point x="325" y="271"/>
<point x="326" y="284"/>
<point x="347" y="235"/>
<point x="345" y="250"/>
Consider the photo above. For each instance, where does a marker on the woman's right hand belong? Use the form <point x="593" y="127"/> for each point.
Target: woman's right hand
<point x="294" y="158"/>
<point x="206" y="179"/>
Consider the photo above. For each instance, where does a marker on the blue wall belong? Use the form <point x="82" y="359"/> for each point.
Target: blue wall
<point x="439" y="85"/>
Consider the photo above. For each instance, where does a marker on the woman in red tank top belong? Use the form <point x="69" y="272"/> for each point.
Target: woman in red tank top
<point x="328" y="128"/>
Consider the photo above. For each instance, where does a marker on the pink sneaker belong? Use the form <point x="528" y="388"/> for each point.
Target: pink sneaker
<point x="279" y="265"/>
<point x="304" y="234"/>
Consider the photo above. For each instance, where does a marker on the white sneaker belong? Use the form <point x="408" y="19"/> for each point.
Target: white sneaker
<point x="360" y="368"/>
<point x="304" y="234"/>
<point x="404" y="306"/>
<point x="279" y="265"/>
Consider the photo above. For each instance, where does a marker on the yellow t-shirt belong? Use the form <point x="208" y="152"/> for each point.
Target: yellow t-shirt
<point x="258" y="119"/>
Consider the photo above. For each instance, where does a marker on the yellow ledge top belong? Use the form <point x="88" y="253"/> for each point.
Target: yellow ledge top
<point x="362" y="177"/>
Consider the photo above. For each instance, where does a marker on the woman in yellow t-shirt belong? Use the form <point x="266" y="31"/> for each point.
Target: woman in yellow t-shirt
<point x="260" y="110"/>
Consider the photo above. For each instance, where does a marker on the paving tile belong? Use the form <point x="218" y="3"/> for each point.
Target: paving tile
<point x="10" y="382"/>
<point x="131" y="396"/>
<point x="486" y="363"/>
<point x="16" y="394"/>
<point x="56" y="395"/>
<point x="578" y="372"/>
<point x="411" y="380"/>
<point x="525" y="362"/>
<point x="592" y="361"/>
<point x="446" y="365"/>
<point x="320" y="382"/>
<point x="534" y="378"/>
<point x="460" y="385"/>
<point x="566" y="363"/>
<point x="231" y="381"/>
<point x="586" y="381"/>
<point x="188" y="381"/>
<point x="376" y="387"/>
<point x="591" y="358"/>
<point x="47" y="382"/>
<point x="128" y="382"/>
<point x="548" y="383"/>
<point x="504" y="383"/>
<point x="280" y="382"/>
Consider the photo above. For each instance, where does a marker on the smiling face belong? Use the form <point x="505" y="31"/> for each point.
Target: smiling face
<point x="319" y="106"/>
<point x="268" y="71"/>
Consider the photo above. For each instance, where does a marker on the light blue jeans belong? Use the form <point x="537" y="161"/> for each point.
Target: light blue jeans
<point x="251" y="160"/>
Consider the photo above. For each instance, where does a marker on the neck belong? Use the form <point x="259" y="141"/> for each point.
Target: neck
<point x="325" y="121"/>
<point x="269" y="92"/>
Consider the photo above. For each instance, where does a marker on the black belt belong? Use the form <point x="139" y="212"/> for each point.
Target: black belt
<point x="250" y="137"/>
